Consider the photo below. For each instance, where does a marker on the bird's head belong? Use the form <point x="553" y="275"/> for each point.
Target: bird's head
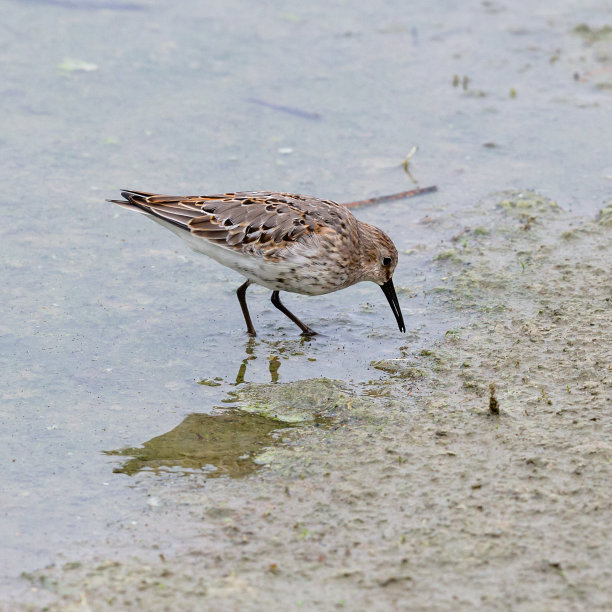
<point x="379" y="258"/>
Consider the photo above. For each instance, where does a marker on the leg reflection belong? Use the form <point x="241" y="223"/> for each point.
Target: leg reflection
<point x="249" y="349"/>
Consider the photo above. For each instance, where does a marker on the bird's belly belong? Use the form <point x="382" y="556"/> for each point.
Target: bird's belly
<point x="298" y="273"/>
<point x="301" y="283"/>
<point x="296" y="276"/>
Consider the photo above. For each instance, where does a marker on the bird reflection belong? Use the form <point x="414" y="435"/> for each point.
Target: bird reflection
<point x="222" y="444"/>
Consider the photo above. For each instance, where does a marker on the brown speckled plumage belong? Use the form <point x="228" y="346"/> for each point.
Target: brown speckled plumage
<point x="283" y="241"/>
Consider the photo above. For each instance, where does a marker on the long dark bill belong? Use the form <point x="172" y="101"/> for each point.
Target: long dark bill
<point x="389" y="291"/>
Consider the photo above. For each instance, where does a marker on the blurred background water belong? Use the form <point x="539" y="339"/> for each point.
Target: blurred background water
<point x="108" y="321"/>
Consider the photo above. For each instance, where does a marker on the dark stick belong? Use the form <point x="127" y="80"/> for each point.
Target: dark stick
<point x="393" y="196"/>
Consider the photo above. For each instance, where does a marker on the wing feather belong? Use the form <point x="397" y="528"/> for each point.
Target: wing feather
<point x="253" y="219"/>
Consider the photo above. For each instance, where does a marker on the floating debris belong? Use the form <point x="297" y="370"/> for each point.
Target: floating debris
<point x="406" y="162"/>
<point x="72" y="65"/>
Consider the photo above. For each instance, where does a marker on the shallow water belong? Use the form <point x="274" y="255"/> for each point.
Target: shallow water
<point x="108" y="322"/>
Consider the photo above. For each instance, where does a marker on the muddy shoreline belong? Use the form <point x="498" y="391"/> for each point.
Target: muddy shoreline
<point x="410" y="492"/>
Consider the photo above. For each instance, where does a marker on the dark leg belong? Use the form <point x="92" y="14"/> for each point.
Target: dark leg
<point x="241" y="293"/>
<point x="305" y="329"/>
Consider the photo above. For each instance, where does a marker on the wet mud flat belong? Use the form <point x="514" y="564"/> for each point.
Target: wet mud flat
<point x="473" y="474"/>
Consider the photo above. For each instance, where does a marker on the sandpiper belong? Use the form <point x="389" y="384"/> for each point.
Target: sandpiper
<point x="282" y="241"/>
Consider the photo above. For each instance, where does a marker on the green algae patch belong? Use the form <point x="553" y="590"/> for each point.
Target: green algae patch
<point x="303" y="401"/>
<point x="595" y="55"/>
<point x="542" y="338"/>
<point x="527" y="202"/>
<point x="449" y="255"/>
<point x="219" y="444"/>
<point x="605" y="216"/>
<point x="399" y="368"/>
<point x="211" y="382"/>
<point x="592" y="35"/>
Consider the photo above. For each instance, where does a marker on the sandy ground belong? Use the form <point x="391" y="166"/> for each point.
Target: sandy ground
<point x="475" y="476"/>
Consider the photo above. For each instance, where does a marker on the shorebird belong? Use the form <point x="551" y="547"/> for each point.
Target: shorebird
<point x="282" y="241"/>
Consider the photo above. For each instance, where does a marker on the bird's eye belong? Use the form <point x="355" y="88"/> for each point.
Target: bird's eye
<point x="386" y="261"/>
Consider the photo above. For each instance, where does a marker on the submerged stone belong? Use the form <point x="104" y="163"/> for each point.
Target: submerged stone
<point x="302" y="401"/>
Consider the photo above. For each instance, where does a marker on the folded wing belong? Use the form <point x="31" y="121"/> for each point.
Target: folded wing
<point x="246" y="219"/>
